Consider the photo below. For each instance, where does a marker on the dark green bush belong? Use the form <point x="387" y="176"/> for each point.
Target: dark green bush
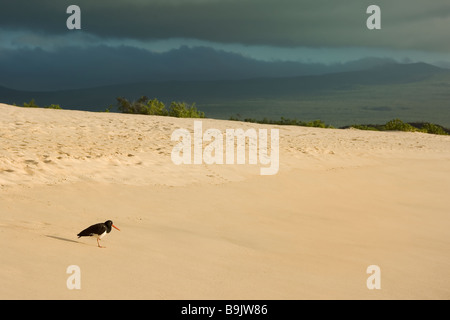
<point x="142" y="106"/>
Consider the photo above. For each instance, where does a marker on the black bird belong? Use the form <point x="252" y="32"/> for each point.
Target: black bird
<point x="97" y="230"/>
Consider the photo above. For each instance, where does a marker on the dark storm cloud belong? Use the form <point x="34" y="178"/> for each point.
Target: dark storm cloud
<point x="406" y="24"/>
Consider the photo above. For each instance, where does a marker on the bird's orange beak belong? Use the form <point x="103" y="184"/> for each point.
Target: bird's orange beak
<point x="116" y="227"/>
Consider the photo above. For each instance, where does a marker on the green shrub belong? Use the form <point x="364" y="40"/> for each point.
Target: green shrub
<point x="364" y="127"/>
<point x="32" y="104"/>
<point x="53" y="106"/>
<point x="399" y="125"/>
<point x="316" y="124"/>
<point x="291" y="122"/>
<point x="155" y="107"/>
<point x="183" y="110"/>
<point x="433" y="129"/>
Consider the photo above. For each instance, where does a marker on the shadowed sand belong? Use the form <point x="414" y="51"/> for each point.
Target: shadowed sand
<point x="341" y="201"/>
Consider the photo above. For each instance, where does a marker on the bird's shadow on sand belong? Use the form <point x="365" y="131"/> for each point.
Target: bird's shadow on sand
<point x="62" y="239"/>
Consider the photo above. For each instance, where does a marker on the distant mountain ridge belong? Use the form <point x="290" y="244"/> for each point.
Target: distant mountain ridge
<point x="75" y="67"/>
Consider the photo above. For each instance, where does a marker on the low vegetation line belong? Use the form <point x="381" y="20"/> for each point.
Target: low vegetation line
<point x="32" y="104"/>
<point x="399" y="125"/>
<point x="148" y="106"/>
<point x="392" y="125"/>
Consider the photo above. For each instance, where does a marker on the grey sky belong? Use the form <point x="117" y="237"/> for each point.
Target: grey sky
<point x="307" y="31"/>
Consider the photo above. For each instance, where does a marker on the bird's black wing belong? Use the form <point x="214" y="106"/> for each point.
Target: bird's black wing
<point x="98" y="228"/>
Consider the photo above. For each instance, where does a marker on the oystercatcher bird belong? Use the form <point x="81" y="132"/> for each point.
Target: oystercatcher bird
<point x="98" y="230"/>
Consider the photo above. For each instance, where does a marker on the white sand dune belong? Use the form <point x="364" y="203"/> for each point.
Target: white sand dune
<point x="341" y="201"/>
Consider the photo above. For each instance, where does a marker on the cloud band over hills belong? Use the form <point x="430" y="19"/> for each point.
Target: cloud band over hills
<point x="406" y="24"/>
